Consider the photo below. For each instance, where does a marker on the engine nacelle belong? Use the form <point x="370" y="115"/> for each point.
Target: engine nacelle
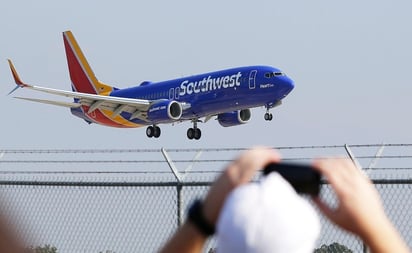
<point x="235" y="118"/>
<point x="165" y="111"/>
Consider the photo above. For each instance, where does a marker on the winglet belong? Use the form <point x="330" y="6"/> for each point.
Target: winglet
<point x="16" y="77"/>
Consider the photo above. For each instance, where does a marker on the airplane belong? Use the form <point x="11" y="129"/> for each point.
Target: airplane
<point x="227" y="95"/>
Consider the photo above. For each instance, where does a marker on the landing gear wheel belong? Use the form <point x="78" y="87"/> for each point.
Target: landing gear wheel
<point x="156" y="131"/>
<point x="194" y="133"/>
<point x="268" y="116"/>
<point x="153" y="131"/>
<point x="198" y="133"/>
<point x="149" y="131"/>
<point x="190" y="133"/>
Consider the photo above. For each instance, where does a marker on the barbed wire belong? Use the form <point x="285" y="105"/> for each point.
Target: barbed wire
<point x="91" y="151"/>
<point x="44" y="152"/>
<point x="186" y="160"/>
<point x="102" y="172"/>
<point x="144" y="172"/>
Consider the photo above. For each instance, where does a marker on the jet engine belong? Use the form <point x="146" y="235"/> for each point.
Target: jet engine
<point x="164" y="111"/>
<point x="234" y="118"/>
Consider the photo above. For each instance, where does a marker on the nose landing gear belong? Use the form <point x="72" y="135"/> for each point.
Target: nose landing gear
<point x="268" y="116"/>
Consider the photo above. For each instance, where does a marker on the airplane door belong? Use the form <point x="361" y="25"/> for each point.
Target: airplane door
<point x="171" y="94"/>
<point x="252" y="79"/>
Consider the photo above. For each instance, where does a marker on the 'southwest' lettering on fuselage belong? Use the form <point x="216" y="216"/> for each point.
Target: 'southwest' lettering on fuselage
<point x="209" y="83"/>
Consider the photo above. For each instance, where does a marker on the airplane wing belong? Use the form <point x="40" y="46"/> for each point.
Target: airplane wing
<point x="51" y="102"/>
<point x="138" y="107"/>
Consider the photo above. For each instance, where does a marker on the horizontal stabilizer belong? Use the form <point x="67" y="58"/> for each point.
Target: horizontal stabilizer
<point x="51" y="102"/>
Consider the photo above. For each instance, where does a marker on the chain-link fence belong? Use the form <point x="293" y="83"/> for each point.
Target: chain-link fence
<point x="79" y="201"/>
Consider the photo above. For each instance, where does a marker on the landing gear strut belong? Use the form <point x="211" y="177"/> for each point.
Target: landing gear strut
<point x="194" y="133"/>
<point x="153" y="131"/>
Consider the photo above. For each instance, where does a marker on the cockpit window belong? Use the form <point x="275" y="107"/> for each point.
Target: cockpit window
<point x="273" y="74"/>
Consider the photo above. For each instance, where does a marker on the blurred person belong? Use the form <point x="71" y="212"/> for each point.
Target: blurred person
<point x="9" y="242"/>
<point x="243" y="225"/>
<point x="268" y="216"/>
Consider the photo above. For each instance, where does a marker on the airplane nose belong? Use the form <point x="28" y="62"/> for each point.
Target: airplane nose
<point x="287" y="84"/>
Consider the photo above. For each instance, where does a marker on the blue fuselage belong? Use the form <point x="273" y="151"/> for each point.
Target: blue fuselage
<point x="215" y="92"/>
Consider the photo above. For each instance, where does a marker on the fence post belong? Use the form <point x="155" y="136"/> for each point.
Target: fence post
<point x="172" y="166"/>
<point x="377" y="156"/>
<point x="179" y="179"/>
<point x="179" y="188"/>
<point x="353" y="158"/>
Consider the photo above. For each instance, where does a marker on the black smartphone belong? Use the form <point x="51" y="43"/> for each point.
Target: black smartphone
<point x="303" y="178"/>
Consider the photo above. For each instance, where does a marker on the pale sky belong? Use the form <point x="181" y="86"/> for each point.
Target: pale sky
<point x="350" y="61"/>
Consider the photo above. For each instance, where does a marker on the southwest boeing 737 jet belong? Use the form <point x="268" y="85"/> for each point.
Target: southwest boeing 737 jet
<point x="227" y="95"/>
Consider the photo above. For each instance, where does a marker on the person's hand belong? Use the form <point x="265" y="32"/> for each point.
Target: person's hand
<point x="238" y="172"/>
<point x="359" y="208"/>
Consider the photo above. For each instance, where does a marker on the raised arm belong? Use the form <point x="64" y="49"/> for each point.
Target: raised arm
<point x="359" y="210"/>
<point x="188" y="238"/>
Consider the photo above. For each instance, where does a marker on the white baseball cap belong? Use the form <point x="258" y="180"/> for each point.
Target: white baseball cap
<point x="268" y="216"/>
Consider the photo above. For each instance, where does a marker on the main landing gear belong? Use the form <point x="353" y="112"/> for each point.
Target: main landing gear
<point x="194" y="133"/>
<point x="153" y="131"/>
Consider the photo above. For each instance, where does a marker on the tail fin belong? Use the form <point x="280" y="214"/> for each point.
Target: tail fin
<point x="81" y="74"/>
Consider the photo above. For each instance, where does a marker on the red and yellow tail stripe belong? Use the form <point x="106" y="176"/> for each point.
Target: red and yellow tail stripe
<point x="84" y="80"/>
<point x="81" y="74"/>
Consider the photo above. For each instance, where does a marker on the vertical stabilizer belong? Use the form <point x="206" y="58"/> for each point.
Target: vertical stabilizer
<point x="81" y="74"/>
